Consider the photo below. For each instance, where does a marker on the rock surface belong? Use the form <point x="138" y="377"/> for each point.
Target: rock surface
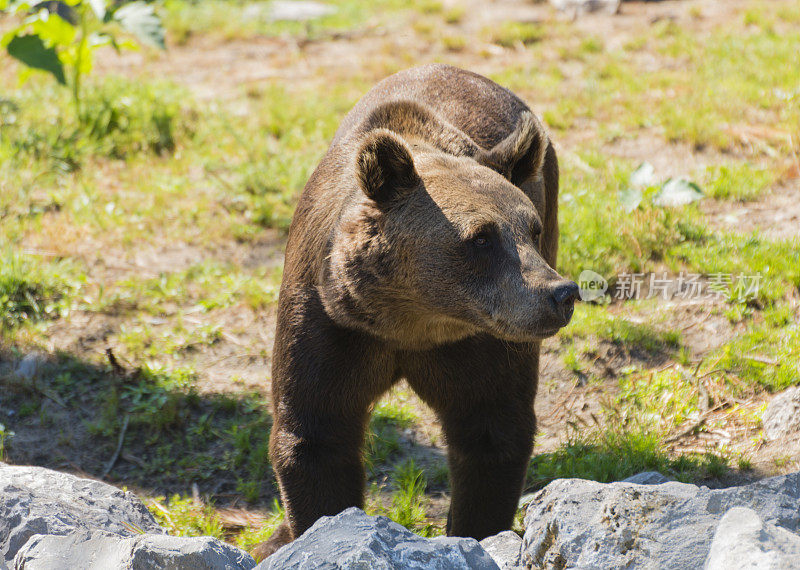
<point x="34" y="500"/>
<point x="354" y="540"/>
<point x="56" y="521"/>
<point x="743" y="540"/>
<point x="574" y="523"/>
<point x="648" y="478"/>
<point x="782" y="416"/>
<point x="99" y="550"/>
<point x="505" y="549"/>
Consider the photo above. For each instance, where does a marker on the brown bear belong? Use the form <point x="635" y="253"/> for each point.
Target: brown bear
<point x="423" y="247"/>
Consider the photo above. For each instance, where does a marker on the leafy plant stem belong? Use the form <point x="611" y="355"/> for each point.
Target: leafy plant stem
<point x="76" y="77"/>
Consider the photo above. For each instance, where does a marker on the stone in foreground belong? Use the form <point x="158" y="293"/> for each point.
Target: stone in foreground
<point x="574" y="523"/>
<point x="35" y="500"/>
<point x="648" y="478"/>
<point x="354" y="540"/>
<point x="782" y="416"/>
<point x="743" y="540"/>
<point x="98" y="550"/>
<point x="505" y="548"/>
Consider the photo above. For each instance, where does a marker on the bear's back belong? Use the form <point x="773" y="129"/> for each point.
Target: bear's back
<point x="482" y="109"/>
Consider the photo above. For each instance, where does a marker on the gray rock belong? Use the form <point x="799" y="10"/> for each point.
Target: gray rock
<point x="648" y="478"/>
<point x="505" y="549"/>
<point x="583" y="524"/>
<point x="354" y="540"/>
<point x="782" y="416"/>
<point x="299" y="10"/>
<point x="578" y="7"/>
<point x="34" y="500"/>
<point x="30" y="365"/>
<point x="99" y="550"/>
<point x="743" y="540"/>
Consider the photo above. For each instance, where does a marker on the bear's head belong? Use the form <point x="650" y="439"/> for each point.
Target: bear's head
<point x="435" y="247"/>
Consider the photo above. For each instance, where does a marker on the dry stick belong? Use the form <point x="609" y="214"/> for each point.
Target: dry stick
<point x="112" y="360"/>
<point x="695" y="425"/>
<point x="762" y="359"/>
<point x="114" y="457"/>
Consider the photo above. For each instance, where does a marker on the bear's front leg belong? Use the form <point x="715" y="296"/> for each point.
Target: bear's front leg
<point x="488" y="454"/>
<point x="482" y="389"/>
<point x="324" y="381"/>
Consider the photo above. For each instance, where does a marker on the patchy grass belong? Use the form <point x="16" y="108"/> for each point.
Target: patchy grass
<point x="32" y="289"/>
<point x="388" y="421"/>
<point x="407" y="505"/>
<point x="512" y="34"/>
<point x="767" y="355"/>
<point x="613" y="455"/>
<point x="740" y="182"/>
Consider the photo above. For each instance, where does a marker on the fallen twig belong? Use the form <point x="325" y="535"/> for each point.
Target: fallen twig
<point x="114" y="457"/>
<point x="112" y="360"/>
<point x="762" y="359"/>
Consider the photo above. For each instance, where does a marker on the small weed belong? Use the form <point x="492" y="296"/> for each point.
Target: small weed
<point x="454" y="43"/>
<point x="782" y="461"/>
<point x="511" y="34"/>
<point x="183" y="516"/>
<point x="254" y="534"/>
<point x="454" y="15"/>
<point x="408" y="502"/>
<point x="668" y="395"/>
<point x="32" y="290"/>
<point x="739" y="182"/>
<point x="5" y="438"/>
<point x="744" y="463"/>
<point x="383" y="437"/>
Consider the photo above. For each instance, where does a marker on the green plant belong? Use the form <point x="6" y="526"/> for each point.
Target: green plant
<point x="408" y="503"/>
<point x="60" y="38"/>
<point x="31" y="290"/>
<point x="5" y="435"/>
<point x="614" y="454"/>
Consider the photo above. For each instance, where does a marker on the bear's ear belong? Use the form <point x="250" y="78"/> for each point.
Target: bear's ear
<point x="384" y="166"/>
<point x="521" y="153"/>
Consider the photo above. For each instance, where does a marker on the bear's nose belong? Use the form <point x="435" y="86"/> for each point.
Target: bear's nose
<point x="566" y="293"/>
<point x="565" y="296"/>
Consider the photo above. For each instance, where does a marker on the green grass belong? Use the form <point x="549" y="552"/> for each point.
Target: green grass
<point x="407" y="506"/>
<point x="766" y="355"/>
<point x="595" y="321"/>
<point x="202" y="287"/>
<point x="613" y="455"/>
<point x="32" y="289"/>
<point x="511" y="34"/>
<point x="237" y="19"/>
<point x="388" y="421"/>
<point x="738" y="181"/>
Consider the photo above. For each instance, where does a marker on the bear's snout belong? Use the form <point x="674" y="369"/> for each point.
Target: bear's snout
<point x="565" y="293"/>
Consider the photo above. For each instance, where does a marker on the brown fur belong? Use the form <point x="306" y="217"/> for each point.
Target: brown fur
<point x="422" y="248"/>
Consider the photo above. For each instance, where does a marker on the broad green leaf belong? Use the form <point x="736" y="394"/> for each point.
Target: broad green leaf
<point x="31" y="51"/>
<point x="630" y="198"/>
<point x="643" y="175"/>
<point x="99" y="8"/>
<point x="54" y="31"/>
<point x="678" y="192"/>
<point x="141" y="20"/>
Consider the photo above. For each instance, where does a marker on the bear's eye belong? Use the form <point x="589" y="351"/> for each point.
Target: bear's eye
<point x="481" y="240"/>
<point x="536" y="231"/>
